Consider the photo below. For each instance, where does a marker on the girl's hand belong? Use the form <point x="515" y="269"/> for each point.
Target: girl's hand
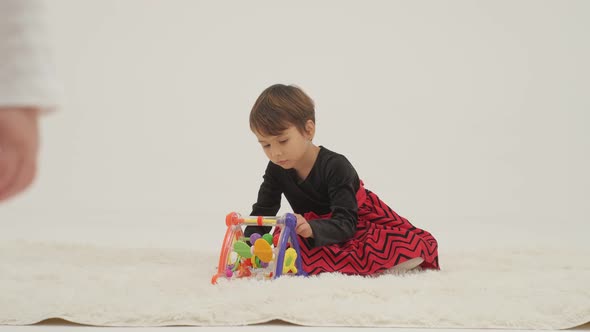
<point x="302" y="228"/>
<point x="19" y="142"/>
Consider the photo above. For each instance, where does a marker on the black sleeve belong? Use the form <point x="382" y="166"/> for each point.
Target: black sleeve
<point x="268" y="202"/>
<point x="343" y="183"/>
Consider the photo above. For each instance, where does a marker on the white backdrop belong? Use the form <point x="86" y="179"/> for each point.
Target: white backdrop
<point x="469" y="118"/>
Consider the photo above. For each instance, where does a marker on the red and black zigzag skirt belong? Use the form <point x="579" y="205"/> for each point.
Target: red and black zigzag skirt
<point x="383" y="239"/>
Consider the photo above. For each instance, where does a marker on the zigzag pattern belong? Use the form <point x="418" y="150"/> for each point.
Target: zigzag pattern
<point x="383" y="239"/>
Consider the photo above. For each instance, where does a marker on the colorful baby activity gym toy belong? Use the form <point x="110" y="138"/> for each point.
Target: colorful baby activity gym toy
<point x="266" y="257"/>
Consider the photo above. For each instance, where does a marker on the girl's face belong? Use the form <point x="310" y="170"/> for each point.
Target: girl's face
<point x="289" y="148"/>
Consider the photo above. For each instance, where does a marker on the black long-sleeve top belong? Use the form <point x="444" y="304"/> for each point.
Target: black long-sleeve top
<point x="331" y="186"/>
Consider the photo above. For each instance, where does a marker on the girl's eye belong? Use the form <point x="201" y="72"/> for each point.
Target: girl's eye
<point x="266" y="146"/>
<point x="283" y="141"/>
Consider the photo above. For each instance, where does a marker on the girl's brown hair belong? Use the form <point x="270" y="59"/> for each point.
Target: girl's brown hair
<point x="279" y="107"/>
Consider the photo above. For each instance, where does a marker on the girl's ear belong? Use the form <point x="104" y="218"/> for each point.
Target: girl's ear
<point x="310" y="129"/>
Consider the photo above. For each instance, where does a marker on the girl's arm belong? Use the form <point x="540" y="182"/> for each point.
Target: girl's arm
<point x="343" y="183"/>
<point x="268" y="202"/>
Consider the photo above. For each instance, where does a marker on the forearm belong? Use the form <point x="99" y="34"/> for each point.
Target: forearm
<point x="26" y="78"/>
<point x="331" y="231"/>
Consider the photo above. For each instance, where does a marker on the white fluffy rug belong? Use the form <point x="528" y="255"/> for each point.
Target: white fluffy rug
<point x="504" y="288"/>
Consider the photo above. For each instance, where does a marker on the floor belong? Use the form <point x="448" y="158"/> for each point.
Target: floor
<point x="60" y="325"/>
<point x="108" y="230"/>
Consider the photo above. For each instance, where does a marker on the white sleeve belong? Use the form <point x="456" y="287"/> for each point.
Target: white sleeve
<point x="26" y="72"/>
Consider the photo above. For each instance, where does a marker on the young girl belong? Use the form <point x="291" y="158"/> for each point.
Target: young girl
<point x="342" y="226"/>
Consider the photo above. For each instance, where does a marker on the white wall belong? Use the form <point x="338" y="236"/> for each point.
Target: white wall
<point x="458" y="113"/>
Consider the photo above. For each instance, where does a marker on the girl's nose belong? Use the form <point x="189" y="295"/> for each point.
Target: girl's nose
<point x="276" y="152"/>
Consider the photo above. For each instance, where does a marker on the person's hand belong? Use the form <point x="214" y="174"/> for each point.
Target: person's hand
<point x="19" y="144"/>
<point x="302" y="228"/>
